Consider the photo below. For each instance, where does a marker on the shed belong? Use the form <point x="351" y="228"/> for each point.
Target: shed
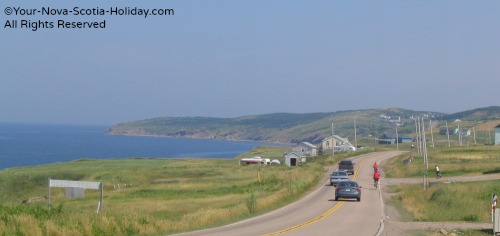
<point x="294" y="159"/>
<point x="387" y="139"/>
<point x="306" y="149"/>
<point x="391" y="139"/>
<point x="405" y="139"/>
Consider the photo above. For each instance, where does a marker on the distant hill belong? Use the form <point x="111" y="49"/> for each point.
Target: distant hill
<point x="311" y="127"/>
<point x="479" y="114"/>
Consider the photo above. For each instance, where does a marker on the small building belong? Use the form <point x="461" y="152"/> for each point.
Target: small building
<point x="497" y="135"/>
<point x="306" y="149"/>
<point x="462" y="132"/>
<point x="391" y="139"/>
<point x="405" y="139"/>
<point x="294" y="159"/>
<point x="387" y="139"/>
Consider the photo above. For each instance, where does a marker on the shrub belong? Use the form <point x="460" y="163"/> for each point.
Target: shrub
<point x="471" y="217"/>
<point x="436" y="194"/>
<point x="252" y="203"/>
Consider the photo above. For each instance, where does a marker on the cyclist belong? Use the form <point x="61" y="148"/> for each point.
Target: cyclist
<point x="376" y="177"/>
<point x="438" y="173"/>
<point x="375" y="167"/>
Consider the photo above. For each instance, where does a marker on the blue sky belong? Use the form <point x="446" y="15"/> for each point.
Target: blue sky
<point x="237" y="58"/>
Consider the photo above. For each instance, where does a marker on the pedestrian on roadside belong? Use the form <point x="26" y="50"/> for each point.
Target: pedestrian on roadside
<point x="438" y="172"/>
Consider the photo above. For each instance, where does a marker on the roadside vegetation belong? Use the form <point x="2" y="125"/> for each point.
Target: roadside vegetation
<point x="152" y="196"/>
<point x="448" y="201"/>
<point x="460" y="201"/>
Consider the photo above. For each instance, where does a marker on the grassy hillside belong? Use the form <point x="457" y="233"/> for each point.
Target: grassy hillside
<point x="479" y="114"/>
<point x="313" y="127"/>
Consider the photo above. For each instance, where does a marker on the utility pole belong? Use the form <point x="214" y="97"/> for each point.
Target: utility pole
<point x="474" y="130"/>
<point x="416" y="132"/>
<point x="459" y="136"/>
<point x="397" y="138"/>
<point x="432" y="135"/>
<point x="448" y="133"/>
<point x="355" y="138"/>
<point x="424" y="145"/>
<point x="419" y="136"/>
<point x="333" y="146"/>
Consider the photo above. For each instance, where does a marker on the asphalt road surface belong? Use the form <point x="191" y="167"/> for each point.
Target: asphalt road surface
<point x="318" y="213"/>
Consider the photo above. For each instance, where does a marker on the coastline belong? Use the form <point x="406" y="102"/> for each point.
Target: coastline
<point x="218" y="138"/>
<point x="38" y="144"/>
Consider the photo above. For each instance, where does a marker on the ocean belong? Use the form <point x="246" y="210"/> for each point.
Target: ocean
<point x="37" y="144"/>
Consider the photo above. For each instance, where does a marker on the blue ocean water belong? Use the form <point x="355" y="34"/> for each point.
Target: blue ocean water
<point x="35" y="144"/>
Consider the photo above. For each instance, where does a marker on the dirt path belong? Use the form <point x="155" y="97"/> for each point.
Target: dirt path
<point x="393" y="224"/>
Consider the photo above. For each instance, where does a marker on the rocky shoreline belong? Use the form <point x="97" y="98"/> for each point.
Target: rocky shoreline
<point x="198" y="135"/>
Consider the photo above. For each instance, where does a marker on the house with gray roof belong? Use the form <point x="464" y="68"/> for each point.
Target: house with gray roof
<point x="306" y="149"/>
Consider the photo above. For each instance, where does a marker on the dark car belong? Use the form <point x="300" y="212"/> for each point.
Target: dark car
<point x="348" y="189"/>
<point x="338" y="176"/>
<point x="347" y="165"/>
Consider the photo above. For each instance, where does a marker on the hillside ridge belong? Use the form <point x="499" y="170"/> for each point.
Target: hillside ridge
<point x="297" y="127"/>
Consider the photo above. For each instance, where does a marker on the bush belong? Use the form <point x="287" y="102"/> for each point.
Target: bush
<point x="436" y="194"/>
<point x="252" y="203"/>
<point x="471" y="217"/>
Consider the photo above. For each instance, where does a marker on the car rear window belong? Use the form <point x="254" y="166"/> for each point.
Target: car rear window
<point x="339" y="174"/>
<point x="345" y="162"/>
<point x="348" y="184"/>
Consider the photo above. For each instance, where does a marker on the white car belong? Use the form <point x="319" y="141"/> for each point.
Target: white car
<point x="338" y="176"/>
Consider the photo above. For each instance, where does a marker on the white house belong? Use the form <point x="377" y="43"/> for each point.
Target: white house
<point x="306" y="149"/>
<point x="336" y="141"/>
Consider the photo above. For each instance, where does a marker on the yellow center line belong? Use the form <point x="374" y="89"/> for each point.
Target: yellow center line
<point x="318" y="218"/>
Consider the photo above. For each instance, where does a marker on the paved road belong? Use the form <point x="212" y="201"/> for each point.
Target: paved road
<point x="319" y="213"/>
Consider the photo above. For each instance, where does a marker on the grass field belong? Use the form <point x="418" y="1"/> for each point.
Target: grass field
<point x="452" y="161"/>
<point x="467" y="201"/>
<point x="151" y="196"/>
<point x="447" y="202"/>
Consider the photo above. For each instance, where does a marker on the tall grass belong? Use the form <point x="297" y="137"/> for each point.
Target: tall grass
<point x="452" y="161"/>
<point x="448" y="201"/>
<point x="467" y="201"/>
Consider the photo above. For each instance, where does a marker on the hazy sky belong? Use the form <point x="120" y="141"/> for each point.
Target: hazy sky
<point x="236" y="58"/>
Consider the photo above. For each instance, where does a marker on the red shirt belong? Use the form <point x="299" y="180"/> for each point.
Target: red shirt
<point x="376" y="175"/>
